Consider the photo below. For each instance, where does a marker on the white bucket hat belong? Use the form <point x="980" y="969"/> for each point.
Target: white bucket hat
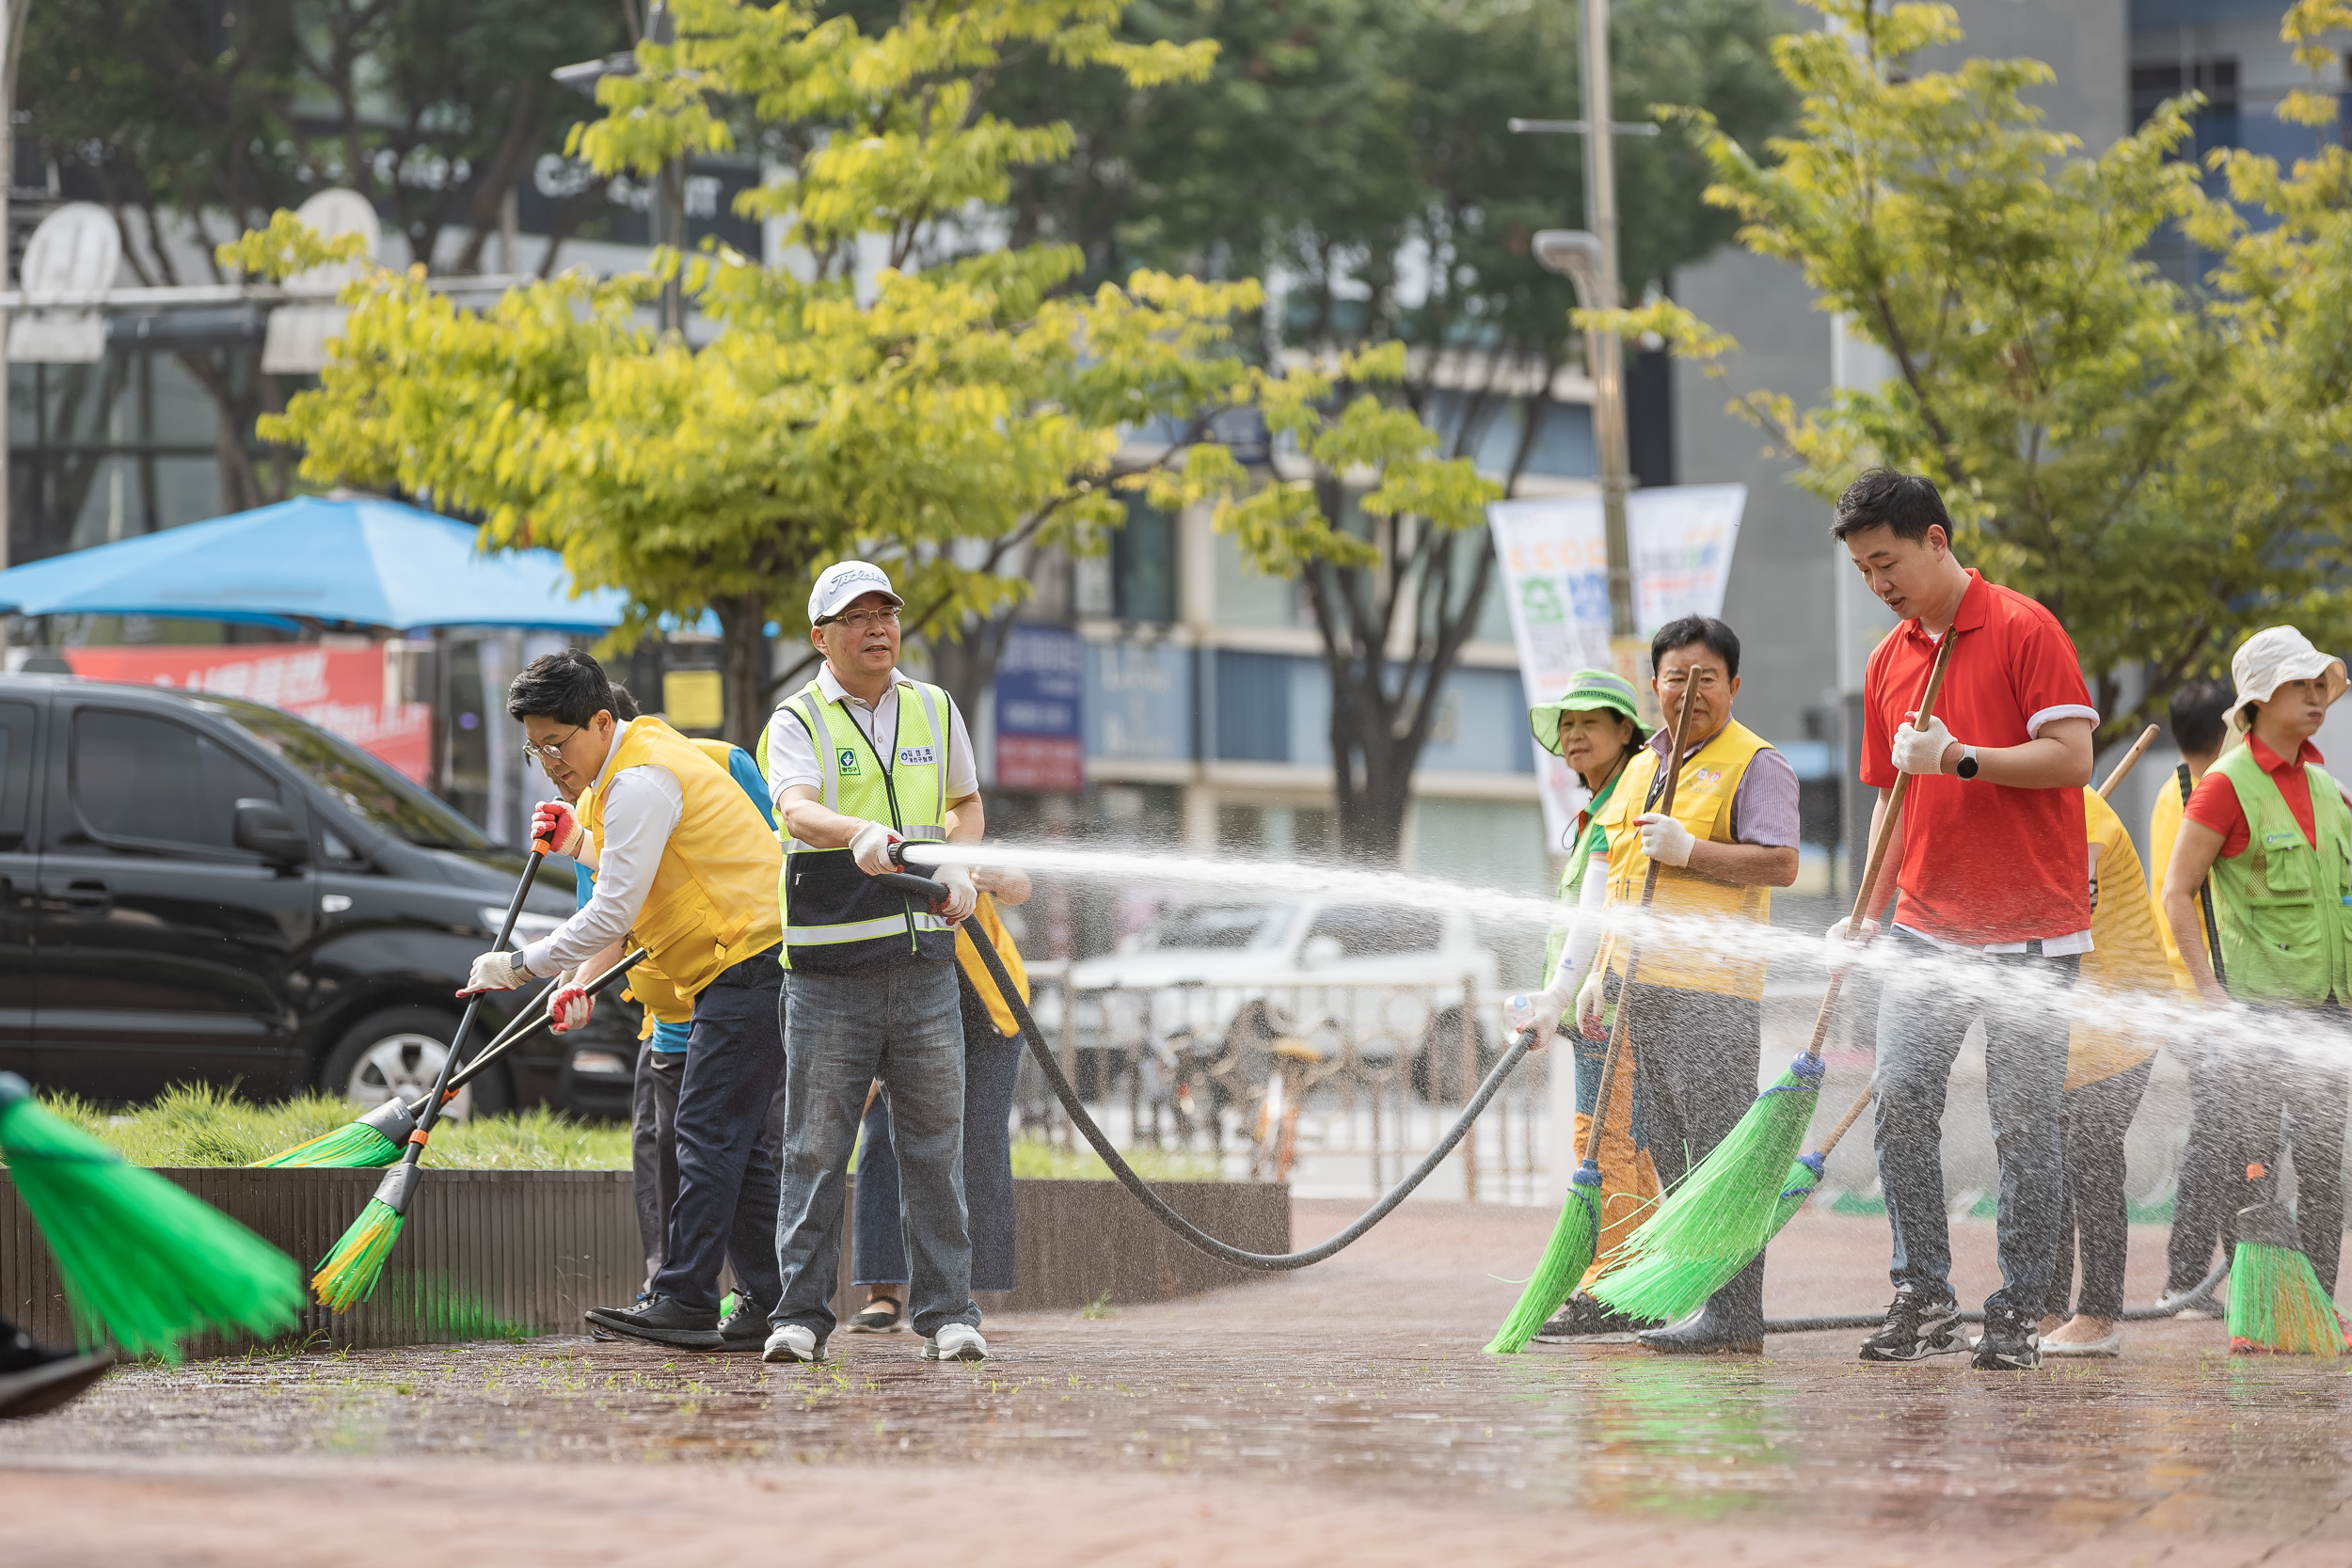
<point x="2270" y="659"/>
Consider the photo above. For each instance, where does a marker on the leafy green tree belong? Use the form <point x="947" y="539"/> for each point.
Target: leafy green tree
<point x="194" y="120"/>
<point x="2165" y="469"/>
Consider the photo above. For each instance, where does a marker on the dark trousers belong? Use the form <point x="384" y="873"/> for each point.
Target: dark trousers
<point x="991" y="1062"/>
<point x="653" y="1150"/>
<point x="2291" y="1103"/>
<point x="2208" y="1194"/>
<point x="1922" y="1019"/>
<point x="727" y="1194"/>
<point x="2092" y="1212"/>
<point x="1695" y="1056"/>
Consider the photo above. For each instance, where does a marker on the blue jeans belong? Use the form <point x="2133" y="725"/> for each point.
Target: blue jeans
<point x="878" y="1246"/>
<point x="898" y="1022"/>
<point x="1921" y="1020"/>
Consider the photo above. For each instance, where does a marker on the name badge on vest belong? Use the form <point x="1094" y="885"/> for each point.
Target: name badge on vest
<point x="2285" y="838"/>
<point x="847" y="757"/>
<point x="918" y="757"/>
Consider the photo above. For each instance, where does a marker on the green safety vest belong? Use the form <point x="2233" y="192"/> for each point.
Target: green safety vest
<point x="836" y="917"/>
<point x="1572" y="878"/>
<point x="2286" y="931"/>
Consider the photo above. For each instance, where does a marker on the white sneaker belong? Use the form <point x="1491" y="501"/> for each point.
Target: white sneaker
<point x="956" y="1342"/>
<point x="793" y="1342"/>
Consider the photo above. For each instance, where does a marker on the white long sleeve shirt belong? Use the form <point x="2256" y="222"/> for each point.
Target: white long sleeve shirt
<point x="642" y="806"/>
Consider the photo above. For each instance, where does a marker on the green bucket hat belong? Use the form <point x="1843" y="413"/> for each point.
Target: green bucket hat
<point x="1587" y="689"/>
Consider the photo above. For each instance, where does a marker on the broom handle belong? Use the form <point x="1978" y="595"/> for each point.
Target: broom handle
<point x="1632" y="954"/>
<point x="440" y="1097"/>
<point x="526" y="1023"/>
<point x="2106" y="791"/>
<point x="1879" y="841"/>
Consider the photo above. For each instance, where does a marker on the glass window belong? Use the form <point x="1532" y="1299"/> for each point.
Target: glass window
<point x="372" y="792"/>
<point x="1229" y="926"/>
<point x="1143" y="566"/>
<point x="1375" y="930"/>
<point x="16" y="771"/>
<point x="149" y="780"/>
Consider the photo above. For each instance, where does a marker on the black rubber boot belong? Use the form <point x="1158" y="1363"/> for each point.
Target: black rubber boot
<point x="1706" y="1332"/>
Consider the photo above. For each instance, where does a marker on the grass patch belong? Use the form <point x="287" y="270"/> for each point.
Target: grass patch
<point x="193" y="1125"/>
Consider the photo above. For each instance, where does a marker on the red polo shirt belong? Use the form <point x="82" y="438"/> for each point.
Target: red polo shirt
<point x="2215" y="803"/>
<point x="1984" y="864"/>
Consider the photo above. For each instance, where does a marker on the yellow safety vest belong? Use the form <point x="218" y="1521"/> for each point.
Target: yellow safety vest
<point x="2126" y="956"/>
<point x="836" y="917"/>
<point x="647" y="986"/>
<point x="711" y="905"/>
<point x="1710" y="781"/>
<point x="985" y="917"/>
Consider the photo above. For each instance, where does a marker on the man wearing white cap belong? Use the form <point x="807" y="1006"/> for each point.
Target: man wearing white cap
<point x="2274" y="832"/>
<point x="860" y="759"/>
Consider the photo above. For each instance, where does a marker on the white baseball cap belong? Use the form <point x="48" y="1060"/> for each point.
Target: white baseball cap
<point x="841" y="583"/>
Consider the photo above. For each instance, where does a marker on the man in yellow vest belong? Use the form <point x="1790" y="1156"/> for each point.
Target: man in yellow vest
<point x="861" y="759"/>
<point x="1696" y="1025"/>
<point x="685" y="868"/>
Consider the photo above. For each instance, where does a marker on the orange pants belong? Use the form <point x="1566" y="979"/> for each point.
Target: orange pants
<point x="1629" y="1182"/>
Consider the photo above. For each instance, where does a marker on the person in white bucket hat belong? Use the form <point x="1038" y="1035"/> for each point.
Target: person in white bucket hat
<point x="2274" y="831"/>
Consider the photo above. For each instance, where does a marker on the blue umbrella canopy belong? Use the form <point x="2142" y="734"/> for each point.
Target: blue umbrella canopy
<point x="362" y="561"/>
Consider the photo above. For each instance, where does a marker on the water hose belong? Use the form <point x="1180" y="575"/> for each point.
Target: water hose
<point x="1266" y="1262"/>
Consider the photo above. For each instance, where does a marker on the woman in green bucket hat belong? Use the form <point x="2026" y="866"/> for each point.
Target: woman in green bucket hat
<point x="1595" y="727"/>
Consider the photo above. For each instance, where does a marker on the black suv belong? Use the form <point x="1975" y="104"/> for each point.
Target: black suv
<point x="197" y="889"/>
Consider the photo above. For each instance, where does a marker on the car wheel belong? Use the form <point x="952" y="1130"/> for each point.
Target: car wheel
<point x="1437" y="1066"/>
<point x="400" y="1050"/>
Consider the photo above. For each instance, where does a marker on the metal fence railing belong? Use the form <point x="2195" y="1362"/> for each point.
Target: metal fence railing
<point x="1337" y="1088"/>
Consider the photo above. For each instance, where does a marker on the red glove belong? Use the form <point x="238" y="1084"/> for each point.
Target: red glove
<point x="554" y="831"/>
<point x="571" y="1009"/>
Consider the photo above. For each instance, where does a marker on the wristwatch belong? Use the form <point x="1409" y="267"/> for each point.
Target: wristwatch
<point x="1966" y="766"/>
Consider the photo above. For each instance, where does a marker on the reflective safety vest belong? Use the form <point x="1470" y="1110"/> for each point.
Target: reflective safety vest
<point x="2286" y="931"/>
<point x="709" y="908"/>
<point x="1710" y="959"/>
<point x="836" y="917"/>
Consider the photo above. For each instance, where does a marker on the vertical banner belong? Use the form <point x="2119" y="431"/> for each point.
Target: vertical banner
<point x="1554" y="556"/>
<point x="339" y="689"/>
<point x="1040" y="682"/>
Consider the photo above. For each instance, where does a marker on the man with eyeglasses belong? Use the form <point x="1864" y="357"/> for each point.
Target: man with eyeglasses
<point x="1696" y="1024"/>
<point x="861" y="759"/>
<point x="686" y="868"/>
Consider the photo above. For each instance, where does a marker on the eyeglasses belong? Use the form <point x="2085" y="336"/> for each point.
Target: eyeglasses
<point x="864" y="619"/>
<point x="550" y="750"/>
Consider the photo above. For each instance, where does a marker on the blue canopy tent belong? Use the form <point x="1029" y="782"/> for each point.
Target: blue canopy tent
<point x="354" y="560"/>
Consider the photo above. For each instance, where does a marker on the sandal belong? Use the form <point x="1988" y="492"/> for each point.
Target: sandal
<point x="882" y="1315"/>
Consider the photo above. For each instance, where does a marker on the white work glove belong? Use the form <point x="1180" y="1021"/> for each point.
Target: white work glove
<point x="1918" y="751"/>
<point x="870" y="847"/>
<point x="572" y="1006"/>
<point x="1589" y="1006"/>
<point x="1538" y="1015"/>
<point x="1665" y="840"/>
<point x="1841" y="951"/>
<point x="962" y="897"/>
<point x="495" y="971"/>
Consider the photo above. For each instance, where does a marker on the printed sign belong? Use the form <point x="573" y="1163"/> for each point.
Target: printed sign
<point x="1554" y="554"/>
<point x="339" y="689"/>
<point x="1040" y="681"/>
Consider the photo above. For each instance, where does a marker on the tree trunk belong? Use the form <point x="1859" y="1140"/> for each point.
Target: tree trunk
<point x="743" y="667"/>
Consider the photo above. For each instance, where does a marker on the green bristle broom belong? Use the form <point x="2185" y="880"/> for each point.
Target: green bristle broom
<point x="145" y="1263"/>
<point x="348" y="1275"/>
<point x="1726" y="1208"/>
<point x="2277" y="1304"/>
<point x="1577" y="1232"/>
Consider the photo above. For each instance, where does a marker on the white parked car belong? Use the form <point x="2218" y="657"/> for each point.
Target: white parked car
<point x="1231" y="973"/>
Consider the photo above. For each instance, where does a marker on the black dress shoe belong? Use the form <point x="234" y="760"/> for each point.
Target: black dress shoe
<point x="1707" y="1332"/>
<point x="662" y="1321"/>
<point x="36" y="1377"/>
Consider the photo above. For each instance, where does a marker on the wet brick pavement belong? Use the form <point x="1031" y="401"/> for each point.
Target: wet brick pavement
<point x="1344" y="1414"/>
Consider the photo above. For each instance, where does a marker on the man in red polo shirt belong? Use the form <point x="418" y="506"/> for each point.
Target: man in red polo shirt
<point x="1994" y="880"/>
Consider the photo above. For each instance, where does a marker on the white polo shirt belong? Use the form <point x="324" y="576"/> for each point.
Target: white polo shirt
<point x="792" y="754"/>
